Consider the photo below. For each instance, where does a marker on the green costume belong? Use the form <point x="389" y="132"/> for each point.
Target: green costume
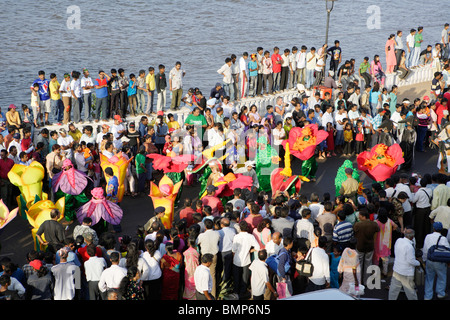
<point x="72" y="204"/>
<point x="264" y="164"/>
<point x="341" y="176"/>
<point x="309" y="168"/>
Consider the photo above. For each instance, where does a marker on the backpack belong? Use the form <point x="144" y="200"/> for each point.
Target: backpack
<point x="273" y="262"/>
<point x="439" y="253"/>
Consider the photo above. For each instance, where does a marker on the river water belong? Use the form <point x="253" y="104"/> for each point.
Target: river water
<point x="137" y="34"/>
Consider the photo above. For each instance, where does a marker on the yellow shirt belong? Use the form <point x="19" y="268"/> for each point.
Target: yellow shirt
<point x="75" y="135"/>
<point x="173" y="124"/>
<point x="54" y="85"/>
<point x="150" y="81"/>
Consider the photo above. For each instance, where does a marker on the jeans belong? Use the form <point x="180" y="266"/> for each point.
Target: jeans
<point x="309" y="78"/>
<point x="58" y="110"/>
<point x="123" y="103"/>
<point x="445" y="51"/>
<point x="416" y="56"/>
<point x="234" y="89"/>
<point x="292" y="79"/>
<point x="284" y="78"/>
<point x="276" y="81"/>
<point x="365" y="260"/>
<point x="227" y="262"/>
<point x="367" y="80"/>
<point x="259" y="85"/>
<point x="114" y="103"/>
<point x="409" y="57"/>
<point x="149" y="108"/>
<point x="140" y="95"/>
<point x="267" y="83"/>
<point x="101" y="105"/>
<point x="87" y="97"/>
<point x="435" y="269"/>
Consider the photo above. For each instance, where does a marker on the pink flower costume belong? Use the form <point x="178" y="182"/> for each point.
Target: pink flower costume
<point x="98" y="207"/>
<point x="69" y="180"/>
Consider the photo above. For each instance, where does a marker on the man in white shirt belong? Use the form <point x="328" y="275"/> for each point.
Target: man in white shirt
<point x="176" y="85"/>
<point x="311" y="60"/>
<point x="227" y="234"/>
<point x="445" y="43"/>
<point x="243" y="76"/>
<point x="203" y="279"/>
<point x="75" y="88"/>
<point x="93" y="269"/>
<point x="303" y="228"/>
<point x="260" y="277"/>
<point x="301" y="65"/>
<point x="274" y="245"/>
<point x="398" y="46"/>
<point x="118" y="131"/>
<point x="209" y="243"/>
<point x="320" y="278"/>
<point x="435" y="268"/>
<point x="111" y="277"/>
<point x="404" y="267"/>
<point x="328" y="116"/>
<point x="403" y="185"/>
<point x="244" y="244"/>
<point x="259" y="57"/>
<point x="293" y="67"/>
<point x="422" y="200"/>
<point x="410" y="48"/>
<point x="86" y="88"/>
<point x="67" y="277"/>
<point x="225" y="71"/>
<point x="66" y="142"/>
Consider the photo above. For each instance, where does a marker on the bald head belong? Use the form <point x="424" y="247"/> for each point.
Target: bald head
<point x="276" y="237"/>
<point x="225" y="222"/>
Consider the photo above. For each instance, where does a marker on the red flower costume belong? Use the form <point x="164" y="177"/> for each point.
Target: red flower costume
<point x="381" y="162"/>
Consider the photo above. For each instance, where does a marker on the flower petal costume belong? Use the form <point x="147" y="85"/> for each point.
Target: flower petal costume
<point x="381" y="162"/>
<point x="99" y="208"/>
<point x="69" y="180"/>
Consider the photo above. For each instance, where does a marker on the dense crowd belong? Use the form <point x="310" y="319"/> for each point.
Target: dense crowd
<point x="246" y="246"/>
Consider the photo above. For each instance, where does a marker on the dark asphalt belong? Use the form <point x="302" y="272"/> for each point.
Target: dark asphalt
<point x="16" y="238"/>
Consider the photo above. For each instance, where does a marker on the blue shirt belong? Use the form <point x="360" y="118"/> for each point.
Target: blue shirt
<point x="131" y="90"/>
<point x="102" y="92"/>
<point x="43" y="88"/>
<point x="252" y="65"/>
<point x="143" y="129"/>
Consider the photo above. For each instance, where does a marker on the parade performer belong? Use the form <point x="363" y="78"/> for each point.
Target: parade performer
<point x="119" y="165"/>
<point x="6" y="216"/>
<point x="164" y="195"/>
<point x="29" y="181"/>
<point x="341" y="176"/>
<point x="99" y="208"/>
<point x="70" y="183"/>
<point x="282" y="179"/>
<point x="381" y="162"/>
<point x="303" y="143"/>
<point x="266" y="160"/>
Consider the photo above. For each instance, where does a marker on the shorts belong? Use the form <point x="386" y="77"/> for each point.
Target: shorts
<point x="45" y="106"/>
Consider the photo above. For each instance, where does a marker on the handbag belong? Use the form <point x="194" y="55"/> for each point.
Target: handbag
<point x="305" y="267"/>
<point x="283" y="290"/>
<point x="419" y="276"/>
<point x="438" y="253"/>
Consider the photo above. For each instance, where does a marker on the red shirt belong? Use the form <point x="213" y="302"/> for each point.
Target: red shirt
<point x="215" y="204"/>
<point x="5" y="167"/>
<point x="187" y="213"/>
<point x="253" y="221"/>
<point x="440" y="112"/>
<point x="85" y="257"/>
<point x="276" y="67"/>
<point x="25" y="144"/>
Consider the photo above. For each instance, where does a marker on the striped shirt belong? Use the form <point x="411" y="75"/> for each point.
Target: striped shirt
<point x="343" y="231"/>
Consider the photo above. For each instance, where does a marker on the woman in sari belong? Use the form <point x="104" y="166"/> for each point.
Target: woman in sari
<point x="170" y="266"/>
<point x="383" y="240"/>
<point x="349" y="261"/>
<point x="191" y="259"/>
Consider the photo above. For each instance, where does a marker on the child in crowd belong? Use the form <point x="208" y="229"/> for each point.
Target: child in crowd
<point x="348" y="139"/>
<point x="359" y="137"/>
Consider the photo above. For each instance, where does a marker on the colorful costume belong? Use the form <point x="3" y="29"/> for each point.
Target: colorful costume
<point x="164" y="195"/>
<point x="266" y="162"/>
<point x="119" y="164"/>
<point x="70" y="183"/>
<point x="341" y="176"/>
<point x="99" y="208"/>
<point x="303" y="143"/>
<point x="381" y="162"/>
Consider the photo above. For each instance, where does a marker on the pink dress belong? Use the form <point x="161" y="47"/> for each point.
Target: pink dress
<point x="383" y="240"/>
<point x="391" y="60"/>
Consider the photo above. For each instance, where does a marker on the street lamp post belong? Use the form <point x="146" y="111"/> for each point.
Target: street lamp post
<point x="329" y="4"/>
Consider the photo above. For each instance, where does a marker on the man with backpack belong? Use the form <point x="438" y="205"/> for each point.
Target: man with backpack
<point x="436" y="269"/>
